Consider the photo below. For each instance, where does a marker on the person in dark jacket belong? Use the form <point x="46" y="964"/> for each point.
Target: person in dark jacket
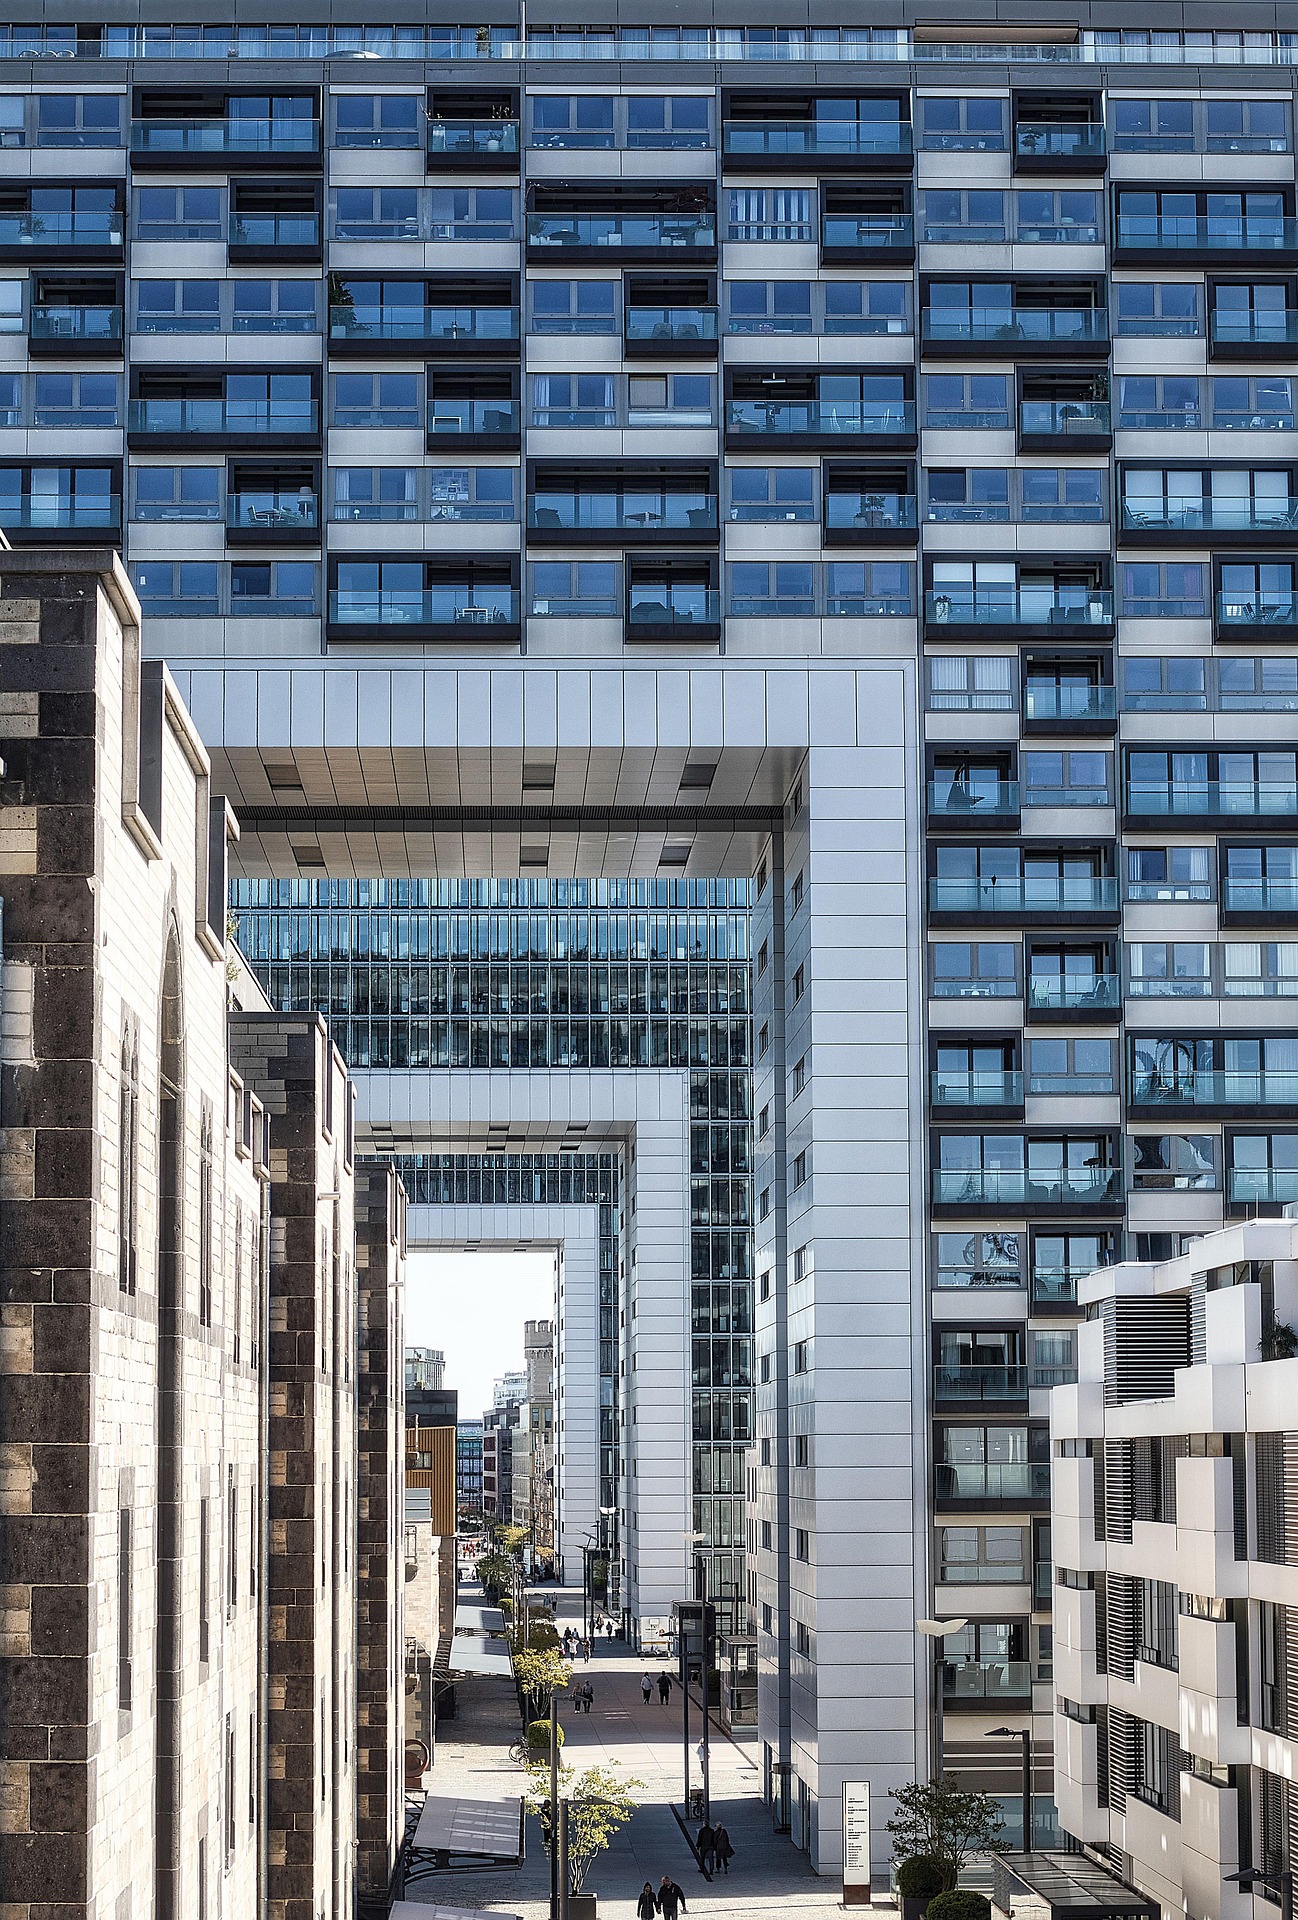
<point x="664" y="1687"/>
<point x="646" y="1907"/>
<point x="671" y="1901"/>
<point x="725" y="1852"/>
<point x="707" y="1848"/>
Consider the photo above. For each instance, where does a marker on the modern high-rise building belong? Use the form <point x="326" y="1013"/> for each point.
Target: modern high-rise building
<point x="468" y="1472"/>
<point x="829" y="480"/>
<point x="425" y="1370"/>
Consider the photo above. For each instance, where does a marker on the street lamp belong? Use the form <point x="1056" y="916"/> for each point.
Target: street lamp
<point x="1025" y="1735"/>
<point x="1252" y="1876"/>
<point x="937" y="1631"/>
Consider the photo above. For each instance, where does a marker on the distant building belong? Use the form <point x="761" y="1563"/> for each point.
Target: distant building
<point x="431" y="1464"/>
<point x="499" y="1427"/>
<point x="425" y="1368"/>
<point x="510" y="1389"/>
<point x="532" y="1496"/>
<point x="432" y="1407"/>
<point x="468" y="1472"/>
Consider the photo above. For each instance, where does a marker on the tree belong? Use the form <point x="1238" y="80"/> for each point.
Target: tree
<point x="599" y="1802"/>
<point x="495" y="1571"/>
<point x="942" y="1821"/>
<point x="512" y="1538"/>
<point x="541" y="1672"/>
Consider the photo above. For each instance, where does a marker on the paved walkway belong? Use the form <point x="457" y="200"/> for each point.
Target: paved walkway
<point x="767" y="1873"/>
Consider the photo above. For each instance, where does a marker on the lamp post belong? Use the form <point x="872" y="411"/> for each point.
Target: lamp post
<point x="937" y="1631"/>
<point x="555" y="1895"/>
<point x="1025" y="1735"/>
<point x="1253" y="1876"/>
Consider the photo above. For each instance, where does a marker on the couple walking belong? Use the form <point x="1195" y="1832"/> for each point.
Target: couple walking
<point x="714" y="1849"/>
<point x="668" y="1902"/>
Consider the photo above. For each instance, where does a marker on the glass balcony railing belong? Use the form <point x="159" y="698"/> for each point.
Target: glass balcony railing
<point x="1054" y="1286"/>
<point x="552" y="511"/>
<point x="90" y="229"/>
<point x="1045" y="140"/>
<point x="678" y="607"/>
<point x="970" y="1573"/>
<point x="441" y="606"/>
<point x="860" y="419"/>
<point x="1263" y="610"/>
<point x="980" y="1383"/>
<point x="1276" y="331"/>
<point x="1244" y="797"/>
<point x="1065" y="993"/>
<point x="79" y="325"/>
<point x="821" y="139"/>
<point x="1025" y="893"/>
<point x="993" y="1480"/>
<point x="419" y="324"/>
<point x="1278" y="514"/>
<point x="988" y="1678"/>
<point x="1175" y="234"/>
<point x="168" y="415"/>
<point x="1211" y="1088"/>
<point x="867" y="232"/>
<point x="1262" y="1186"/>
<point x="1256" y="895"/>
<point x="471" y="138"/>
<point x="272" y="510"/>
<point x="668" y="324"/>
<point x="1045" y="1379"/>
<point x="1069" y="703"/>
<point x="447" y="417"/>
<point x="869" y="511"/>
<point x="61" y="513"/>
<point x="664" y="233"/>
<point x="292" y="138"/>
<point x="1028" y="607"/>
<point x="1062" y="419"/>
<point x="1073" y="326"/>
<point x="951" y="798"/>
<point x="1022" y="1186"/>
<point x="274" y="230"/>
<point x="976" y="1089"/>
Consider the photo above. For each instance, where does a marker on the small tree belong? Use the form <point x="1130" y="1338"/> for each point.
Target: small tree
<point x="541" y="1672"/>
<point x="512" y="1539"/>
<point x="942" y="1821"/>
<point x="599" y="1802"/>
<point x="495" y="1571"/>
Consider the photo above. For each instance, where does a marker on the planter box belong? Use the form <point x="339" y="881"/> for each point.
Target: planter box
<point x="582" y="1906"/>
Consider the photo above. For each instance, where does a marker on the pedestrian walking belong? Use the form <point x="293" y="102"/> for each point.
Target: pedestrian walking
<point x="706" y="1847"/>
<point x="664" y="1687"/>
<point x="590" y="1697"/>
<point x="576" y="1696"/>
<point x="647" y="1688"/>
<point x="671" y="1901"/>
<point x="646" y="1907"/>
<point x="609" y="1629"/>
<point x="725" y="1852"/>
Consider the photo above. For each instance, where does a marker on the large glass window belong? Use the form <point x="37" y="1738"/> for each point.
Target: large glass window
<point x="573" y="306"/>
<point x="176" y="493"/>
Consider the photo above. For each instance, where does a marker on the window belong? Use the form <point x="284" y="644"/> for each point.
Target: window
<point x="978" y="494"/>
<point x="177" y="589"/>
<point x="206" y="1175"/>
<point x="1252" y="403"/>
<point x="978" y="1260"/>
<point x="1165" y="683"/>
<point x="179" y="213"/>
<point x="966" y="400"/>
<point x="376" y="120"/>
<point x="376" y="493"/>
<point x="764" y="1122"/>
<point x="1161" y="309"/>
<point x="799" y="1076"/>
<point x="1263" y="1168"/>
<point x="1257" y="685"/>
<point x="471" y="213"/>
<point x="799" y="981"/>
<point x="800" y="1351"/>
<point x="376" y="213"/>
<point x="472" y="493"/>
<point x="576" y="589"/>
<point x="574" y="306"/>
<point x="1149" y="402"/>
<point x="763" y="1040"/>
<point x="1080" y="1066"/>
<point x="285" y="589"/>
<point x="801" y="1544"/>
<point x="764" y="1204"/>
<point x="377" y="400"/>
<point x="1164" y="590"/>
<point x="667" y="120"/>
<point x="274" y="306"/>
<point x="801" y="1450"/>
<point x="1057" y="216"/>
<point x="128" y="1167"/>
<point x="769" y="306"/>
<point x="801" y="1263"/>
<point x="763" y="494"/>
<point x="78" y="400"/>
<point x="763" y="958"/>
<point x="959" y="683"/>
<point x="572" y="121"/>
<point x="1155" y="1760"/>
<point x="1173" y="1162"/>
<point x="796" y="892"/>
<point x="176" y="493"/>
<point x="800" y="1170"/>
<point x="1169" y="969"/>
<point x="1066" y="778"/>
<point x="768" y="1618"/>
<point x="204" y="1580"/>
<point x="973" y="125"/>
<point x="177" y="306"/>
<point x="232" y="1540"/>
<point x="670" y="399"/>
<point x="1060" y="1259"/>
<point x="574" y="400"/>
<point x="974" y="969"/>
<point x="772" y="214"/>
<point x="865" y="306"/>
<point x="1266" y="968"/>
<point x="963" y="216"/>
<point x="970" y="1556"/>
<point x="802" y="1638"/>
<point x="1067" y="495"/>
<point x="125" y="1609"/>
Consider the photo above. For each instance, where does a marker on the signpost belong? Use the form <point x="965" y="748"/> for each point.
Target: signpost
<point x="856" y="1843"/>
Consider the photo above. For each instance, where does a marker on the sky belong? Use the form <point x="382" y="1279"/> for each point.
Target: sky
<point x="472" y="1306"/>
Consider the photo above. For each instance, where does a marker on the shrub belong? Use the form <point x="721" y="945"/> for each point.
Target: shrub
<point x="541" y="1634"/>
<point x="538" y="1741"/>
<point x="920" y="1877"/>
<point x="962" y="1904"/>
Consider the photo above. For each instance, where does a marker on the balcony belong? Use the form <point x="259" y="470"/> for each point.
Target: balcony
<point x="272" y="237"/>
<point x="959" y="614"/>
<point x="272" y="516"/>
<point x="175" y="422"/>
<point x="831" y="423"/>
<point x="56" y="329"/>
<point x="486" y="144"/>
<point x="1054" y="1290"/>
<point x="967" y="801"/>
<point x="665" y="611"/>
<point x="1016" y="1482"/>
<point x="471" y="421"/>
<point x="66" y="517"/>
<point x="978" y="1089"/>
<point x="1013" y="330"/>
<point x="601" y="236"/>
<point x="1248" y="1187"/>
<point x="446" y="611"/>
<point x="1211" y="799"/>
<point x="1157" y="240"/>
<point x="670" y="331"/>
<point x="1060" y="147"/>
<point x="613" y="516"/>
<point x="363" y="328"/>
<point x="1066" y="708"/>
<point x="1267" y="518"/>
<point x="978" y="1383"/>
<point x="96" y="234"/>
<point x="1020" y="1187"/>
<point x="869" y="517"/>
<point x="1252" y="336"/>
<point x="1066" y="426"/>
<point x="1031" y="896"/>
<point x="824" y="143"/>
<point x="1267" y="616"/>
<point x="1213" y="1088"/>
<point x="1251" y="901"/>
<point x="879" y="238"/>
<point x="1056" y="994"/>
<point x="250" y="141"/>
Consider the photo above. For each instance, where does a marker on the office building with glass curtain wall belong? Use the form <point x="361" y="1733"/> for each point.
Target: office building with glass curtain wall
<point x="859" y="457"/>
